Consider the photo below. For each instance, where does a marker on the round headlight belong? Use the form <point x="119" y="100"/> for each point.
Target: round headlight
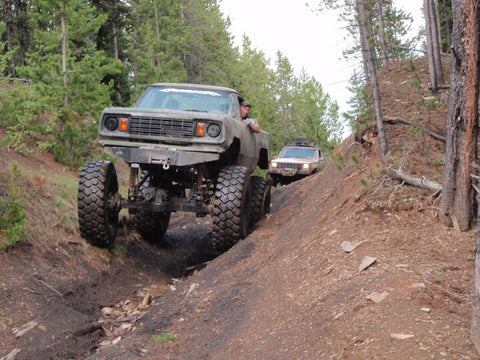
<point x="111" y="123"/>
<point x="274" y="164"/>
<point x="213" y="130"/>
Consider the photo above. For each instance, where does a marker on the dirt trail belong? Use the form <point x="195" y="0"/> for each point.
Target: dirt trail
<point x="55" y="303"/>
<point x="290" y="290"/>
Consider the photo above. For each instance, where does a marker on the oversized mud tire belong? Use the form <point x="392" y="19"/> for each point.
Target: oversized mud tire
<point x="260" y="198"/>
<point x="272" y="180"/>
<point x="231" y="207"/>
<point x="98" y="203"/>
<point x="151" y="225"/>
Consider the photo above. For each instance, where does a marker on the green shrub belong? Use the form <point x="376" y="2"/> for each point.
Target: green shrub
<point x="74" y="139"/>
<point x="12" y="216"/>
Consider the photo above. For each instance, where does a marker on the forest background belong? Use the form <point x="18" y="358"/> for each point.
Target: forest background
<point x="63" y="62"/>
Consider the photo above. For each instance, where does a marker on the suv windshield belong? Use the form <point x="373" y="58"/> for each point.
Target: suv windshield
<point x="185" y="99"/>
<point x="298" y="153"/>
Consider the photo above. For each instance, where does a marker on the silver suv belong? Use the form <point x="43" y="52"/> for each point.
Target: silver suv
<point x="295" y="161"/>
<point x="188" y="151"/>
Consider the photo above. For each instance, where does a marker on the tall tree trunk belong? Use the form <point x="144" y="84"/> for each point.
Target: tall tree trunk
<point x="437" y="58"/>
<point x="381" y="38"/>
<point x="115" y="41"/>
<point x="447" y="23"/>
<point x="8" y="19"/>
<point x="475" y="323"/>
<point x="135" y="45"/>
<point x="23" y="29"/>
<point x="433" y="46"/>
<point x="372" y="76"/>
<point x="64" y="53"/>
<point x="364" y="53"/>
<point x="157" y="31"/>
<point x="457" y="201"/>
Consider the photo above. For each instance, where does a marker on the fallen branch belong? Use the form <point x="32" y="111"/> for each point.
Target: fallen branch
<point x="393" y="120"/>
<point x="475" y="166"/>
<point x="413" y="49"/>
<point x="407" y="48"/>
<point x="419" y="182"/>
<point x="50" y="287"/>
<point x="11" y="355"/>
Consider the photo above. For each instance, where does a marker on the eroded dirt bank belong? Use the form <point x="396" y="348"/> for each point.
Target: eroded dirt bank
<point x="57" y="309"/>
<point x="287" y="291"/>
<point x="291" y="290"/>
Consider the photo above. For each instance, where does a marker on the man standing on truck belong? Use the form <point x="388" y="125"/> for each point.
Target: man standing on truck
<point x="246" y="119"/>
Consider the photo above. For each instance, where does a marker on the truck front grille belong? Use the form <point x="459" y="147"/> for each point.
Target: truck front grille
<point x="289" y="165"/>
<point x="148" y="126"/>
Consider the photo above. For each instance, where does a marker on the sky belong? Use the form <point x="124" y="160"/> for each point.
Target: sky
<point x="309" y="40"/>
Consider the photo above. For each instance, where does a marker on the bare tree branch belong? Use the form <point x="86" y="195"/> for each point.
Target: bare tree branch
<point x="393" y="120"/>
<point x="413" y="49"/>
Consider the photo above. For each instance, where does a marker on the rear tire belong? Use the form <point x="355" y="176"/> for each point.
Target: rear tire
<point x="260" y="198"/>
<point x="151" y="225"/>
<point x="272" y="180"/>
<point x="231" y="207"/>
<point x="98" y="203"/>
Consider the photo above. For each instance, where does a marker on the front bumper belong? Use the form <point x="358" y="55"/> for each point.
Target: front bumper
<point x="289" y="171"/>
<point x="161" y="156"/>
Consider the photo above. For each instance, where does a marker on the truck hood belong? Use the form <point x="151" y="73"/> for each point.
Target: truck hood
<point x="201" y="115"/>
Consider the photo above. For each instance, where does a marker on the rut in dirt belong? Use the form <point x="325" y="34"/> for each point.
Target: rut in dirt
<point x="85" y="317"/>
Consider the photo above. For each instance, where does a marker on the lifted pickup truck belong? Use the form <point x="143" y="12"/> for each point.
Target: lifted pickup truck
<point x="295" y="161"/>
<point x="187" y="150"/>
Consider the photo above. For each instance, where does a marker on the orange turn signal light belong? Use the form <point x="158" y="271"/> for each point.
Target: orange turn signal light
<point x="123" y="124"/>
<point x="200" y="129"/>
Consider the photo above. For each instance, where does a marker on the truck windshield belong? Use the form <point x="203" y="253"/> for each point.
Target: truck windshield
<point x="185" y="99"/>
<point x="298" y="153"/>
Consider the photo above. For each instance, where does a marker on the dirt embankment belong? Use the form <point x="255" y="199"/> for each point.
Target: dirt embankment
<point x="348" y="265"/>
<point x="294" y="289"/>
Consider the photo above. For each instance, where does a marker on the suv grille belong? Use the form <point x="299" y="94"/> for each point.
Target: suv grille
<point x="289" y="165"/>
<point x="181" y="128"/>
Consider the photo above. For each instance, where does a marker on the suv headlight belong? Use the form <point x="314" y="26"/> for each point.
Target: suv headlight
<point x="213" y="130"/>
<point x="306" y="166"/>
<point x="111" y="123"/>
<point x="274" y="164"/>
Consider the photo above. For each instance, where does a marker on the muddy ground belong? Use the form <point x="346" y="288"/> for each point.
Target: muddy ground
<point x="349" y="264"/>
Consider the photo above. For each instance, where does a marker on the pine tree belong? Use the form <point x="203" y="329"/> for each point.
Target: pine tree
<point x="209" y="52"/>
<point x="284" y="82"/>
<point x="314" y="115"/>
<point x="64" y="59"/>
<point x="157" y="43"/>
<point x="113" y="39"/>
<point x="253" y="78"/>
<point x="18" y="33"/>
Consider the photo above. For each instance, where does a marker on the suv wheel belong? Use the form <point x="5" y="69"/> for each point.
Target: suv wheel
<point x="260" y="198"/>
<point x="231" y="207"/>
<point x="98" y="203"/>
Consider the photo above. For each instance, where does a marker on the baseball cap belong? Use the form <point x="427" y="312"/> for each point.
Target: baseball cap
<point x="245" y="103"/>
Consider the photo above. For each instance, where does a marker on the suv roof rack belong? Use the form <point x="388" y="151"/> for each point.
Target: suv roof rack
<point x="302" y="141"/>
